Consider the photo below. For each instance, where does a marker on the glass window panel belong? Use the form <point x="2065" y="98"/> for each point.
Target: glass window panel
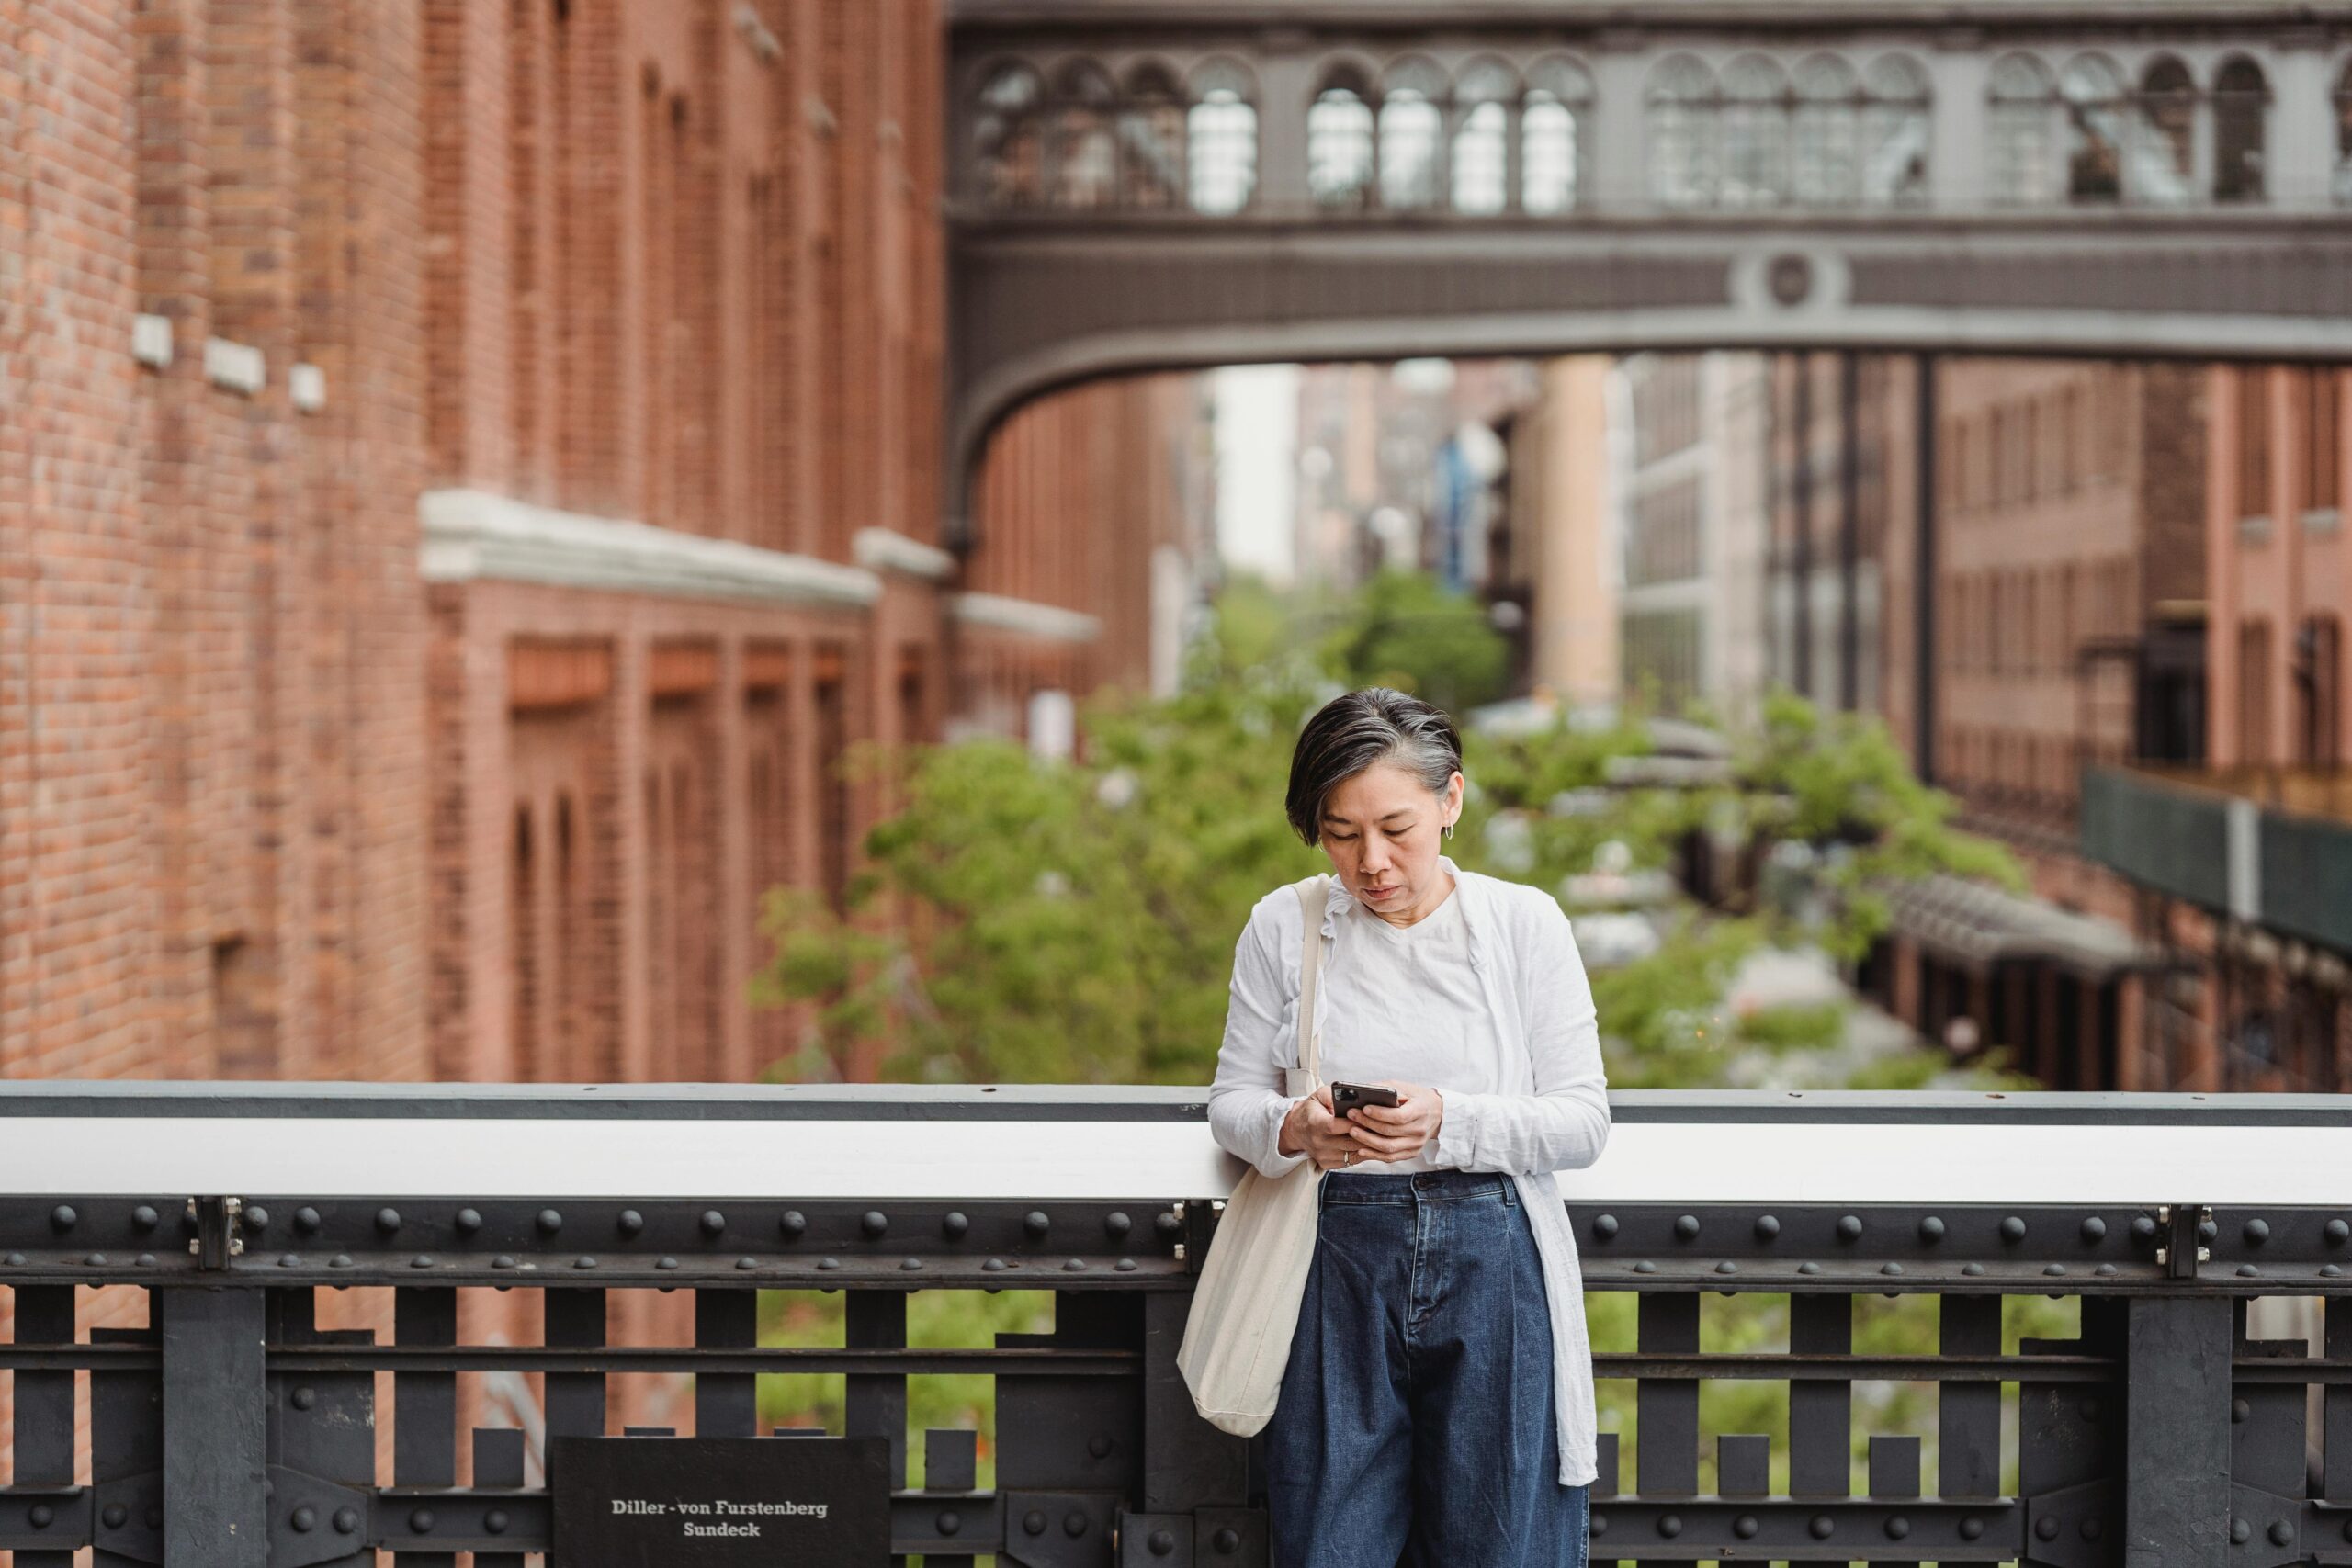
<point x="1478" y="160"/>
<point x="1409" y="135"/>
<point x="1338" y="150"/>
<point x="1547" y="154"/>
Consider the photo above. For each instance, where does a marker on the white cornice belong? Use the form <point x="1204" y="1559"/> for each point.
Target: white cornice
<point x="887" y="550"/>
<point x="1026" y="617"/>
<point x="476" y="533"/>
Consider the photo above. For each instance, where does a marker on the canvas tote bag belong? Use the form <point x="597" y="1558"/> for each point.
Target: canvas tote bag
<point x="1245" y="1304"/>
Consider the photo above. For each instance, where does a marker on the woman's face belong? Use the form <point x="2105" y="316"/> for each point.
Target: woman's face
<point x="1380" y="828"/>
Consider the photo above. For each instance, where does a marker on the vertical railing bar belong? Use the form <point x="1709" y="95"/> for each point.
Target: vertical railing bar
<point x="726" y="1404"/>
<point x="1666" y="1410"/>
<point x="1821" y="1411"/>
<point x="215" y="1421"/>
<point x="2335" y="1406"/>
<point x="425" y="1404"/>
<point x="877" y="1401"/>
<point x="44" y="1405"/>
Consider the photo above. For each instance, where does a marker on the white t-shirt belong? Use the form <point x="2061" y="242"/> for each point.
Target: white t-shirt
<point x="1406" y="1004"/>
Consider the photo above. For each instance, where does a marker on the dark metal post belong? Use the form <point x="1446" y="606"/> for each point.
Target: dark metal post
<point x="215" y="1427"/>
<point x="44" y="1405"/>
<point x="1923" y="574"/>
<point x="1800" y="503"/>
<point x="2176" y="1476"/>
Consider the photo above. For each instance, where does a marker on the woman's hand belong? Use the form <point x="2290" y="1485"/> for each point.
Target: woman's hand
<point x="1398" y="1130"/>
<point x="1311" y="1129"/>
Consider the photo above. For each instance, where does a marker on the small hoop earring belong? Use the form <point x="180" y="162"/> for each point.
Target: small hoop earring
<point x="1448" y="830"/>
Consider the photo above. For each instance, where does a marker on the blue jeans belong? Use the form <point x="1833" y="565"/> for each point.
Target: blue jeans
<point x="1416" y="1427"/>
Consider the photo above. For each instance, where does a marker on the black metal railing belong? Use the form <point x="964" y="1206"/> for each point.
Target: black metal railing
<point x="233" y="1431"/>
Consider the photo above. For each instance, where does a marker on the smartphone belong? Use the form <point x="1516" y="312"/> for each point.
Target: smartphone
<point x="1346" y="1097"/>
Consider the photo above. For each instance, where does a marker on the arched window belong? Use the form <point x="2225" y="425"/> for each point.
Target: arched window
<point x="2092" y="91"/>
<point x="1481" y="180"/>
<point x="1895" y="132"/>
<point x="1338" y="145"/>
<point x="1681" y="115"/>
<point x="1008" y="137"/>
<point x="2240" y="108"/>
<point x="1551" y="143"/>
<point x="1150" y="139"/>
<point x="1826" y="169"/>
<point x="1221" y="140"/>
<point x="2165" y="134"/>
<point x="2024" y="164"/>
<point x="2344" y="136"/>
<point x="1412" y="135"/>
<point x="1085" y="171"/>
<point x="1755" y="133"/>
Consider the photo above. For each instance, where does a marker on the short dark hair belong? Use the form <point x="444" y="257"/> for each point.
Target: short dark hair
<point x="1352" y="732"/>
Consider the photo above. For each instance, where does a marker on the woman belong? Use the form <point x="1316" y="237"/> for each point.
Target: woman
<point x="1438" y="1402"/>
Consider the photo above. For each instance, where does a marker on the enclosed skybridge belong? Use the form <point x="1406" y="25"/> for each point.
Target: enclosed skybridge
<point x="1148" y="184"/>
<point x="233" y="1431"/>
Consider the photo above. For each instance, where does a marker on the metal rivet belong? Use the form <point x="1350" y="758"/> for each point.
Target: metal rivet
<point x="828" y="1263"/>
<point x="1669" y="1525"/>
<point x="1161" y="1542"/>
<point x="1227" y="1541"/>
<point x="747" y="1263"/>
<point x="1767" y="1227"/>
<point x="285" y="1259"/>
<point x="1971" y="1527"/>
<point x="2248" y="1271"/>
<point x="713" y="1222"/>
<point x="1033" y="1521"/>
<point x="1849" y="1228"/>
<point x="954" y="1224"/>
<point x="1823" y="1526"/>
<point x="1890" y="1268"/>
<point x="422" y="1260"/>
<point x="388" y="1220"/>
<point x="469" y="1220"/>
<point x="2207" y="1231"/>
<point x="42" y="1516"/>
<point x="2331" y="1271"/>
<point x="1897" y="1528"/>
<point x="504" y="1260"/>
<point x="873" y="1221"/>
<point x="2093" y="1229"/>
<point x="2338" y="1233"/>
<point x="1073" y="1524"/>
<point x="1686" y="1225"/>
<point x="584" y="1261"/>
<point x="1074" y="1266"/>
<point x="793" y="1223"/>
<point x="62" y="1217"/>
<point x="1099" y="1445"/>
<point x="1115" y="1224"/>
<point x="992" y="1265"/>
<point x="2281" y="1532"/>
<point x="1646" y="1267"/>
<point x="1931" y="1229"/>
<point x="1597" y="1524"/>
<point x="254" y="1218"/>
<point x="1604" y="1226"/>
<point x="339" y="1261"/>
<point x="347" y="1521"/>
<point x="2046" y="1528"/>
<point x="96" y="1260"/>
<point x="2256" y="1232"/>
<point x="1167" y="1223"/>
<point x="421" y="1521"/>
<point x="550" y="1221"/>
<point x="304" y="1397"/>
<point x="2239" y="1411"/>
<point x="665" y="1261"/>
<point x="949" y="1522"/>
<point x="2144" y="1229"/>
<point x="145" y="1217"/>
<point x="2105" y="1270"/>
<point x="2240" y="1532"/>
<point x="16" y="1258"/>
<point x="1972" y="1268"/>
<point x="2053" y="1269"/>
<point x="909" y="1262"/>
<point x="116" y="1516"/>
<point x="306" y="1517"/>
<point x="307" y="1219"/>
<point x="146" y="1261"/>
<point x="1125" y="1264"/>
<point x="1036" y="1222"/>
<point x="1726" y="1267"/>
<point x="2012" y="1229"/>
<point x="1744" y="1526"/>
<point x="1808" y="1267"/>
<point x="495" y="1521"/>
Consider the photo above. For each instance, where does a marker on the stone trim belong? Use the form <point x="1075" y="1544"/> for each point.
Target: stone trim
<point x="1026" y="617"/>
<point x="473" y="534"/>
<point x="887" y="550"/>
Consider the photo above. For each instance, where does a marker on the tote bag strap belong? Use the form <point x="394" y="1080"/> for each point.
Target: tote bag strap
<point x="1312" y="897"/>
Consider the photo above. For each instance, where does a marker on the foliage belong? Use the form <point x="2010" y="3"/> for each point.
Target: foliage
<point x="1408" y="630"/>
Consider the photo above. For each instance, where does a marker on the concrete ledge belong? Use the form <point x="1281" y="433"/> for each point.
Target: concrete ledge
<point x="1026" y="617"/>
<point x="887" y="550"/>
<point x="474" y="534"/>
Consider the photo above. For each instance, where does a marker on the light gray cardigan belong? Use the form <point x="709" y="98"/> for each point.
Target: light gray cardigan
<point x="1557" y="1118"/>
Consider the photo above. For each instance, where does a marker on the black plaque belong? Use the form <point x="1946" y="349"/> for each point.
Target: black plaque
<point x="720" y="1502"/>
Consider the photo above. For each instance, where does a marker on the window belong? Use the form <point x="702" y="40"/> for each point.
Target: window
<point x="2254" y="441"/>
<point x="1085" y="172"/>
<point x="1339" y="147"/>
<point x="1008" y="137"/>
<point x="1411" y="134"/>
<point x="1149" y="137"/>
<point x="2241" y="107"/>
<point x="1221" y="140"/>
<point x="1552" y="149"/>
<point x="1894" y="132"/>
<point x="1754" y="135"/>
<point x="2024" y="162"/>
<point x="1482" y="142"/>
<point x="2165" y="134"/>
<point x="2323" y="445"/>
<point x="1826" y="133"/>
<point x="2092" y="91"/>
<point x="1681" y="125"/>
